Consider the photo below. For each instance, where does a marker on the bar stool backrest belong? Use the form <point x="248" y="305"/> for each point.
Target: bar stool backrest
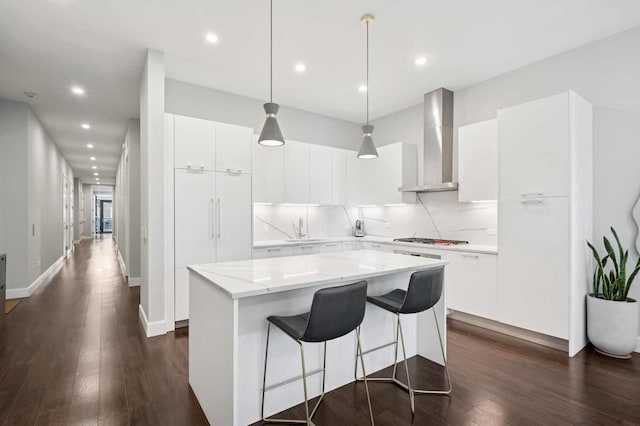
<point x="425" y="290"/>
<point x="335" y="311"/>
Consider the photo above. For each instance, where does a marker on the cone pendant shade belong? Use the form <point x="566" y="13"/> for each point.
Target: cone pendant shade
<point x="271" y="135"/>
<point x="367" y="147"/>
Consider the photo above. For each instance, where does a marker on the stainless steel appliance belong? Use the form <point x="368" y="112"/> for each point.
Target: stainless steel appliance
<point x="433" y="241"/>
<point x="413" y="253"/>
<point x="358" y="231"/>
<point x="3" y="283"/>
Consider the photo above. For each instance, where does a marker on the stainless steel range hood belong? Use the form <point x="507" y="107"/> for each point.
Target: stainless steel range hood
<point x="438" y="143"/>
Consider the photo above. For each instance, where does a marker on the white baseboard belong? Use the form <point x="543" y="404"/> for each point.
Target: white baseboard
<point x="151" y="329"/>
<point x="135" y="281"/>
<point x="123" y="266"/>
<point x="638" y="345"/>
<point x="87" y="237"/>
<point x="76" y="241"/>
<point x="20" y="293"/>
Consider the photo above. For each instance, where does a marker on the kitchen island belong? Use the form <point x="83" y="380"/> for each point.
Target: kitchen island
<point x="229" y="304"/>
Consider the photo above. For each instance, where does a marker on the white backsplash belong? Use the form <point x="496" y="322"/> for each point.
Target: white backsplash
<point x="439" y="215"/>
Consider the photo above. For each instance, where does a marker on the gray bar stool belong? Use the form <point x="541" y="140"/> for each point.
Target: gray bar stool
<point x="335" y="312"/>
<point x="425" y="290"/>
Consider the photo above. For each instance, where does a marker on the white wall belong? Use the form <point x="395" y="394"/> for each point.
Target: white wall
<point x="152" y="186"/>
<point x="127" y="201"/>
<point x="196" y="101"/>
<point x="32" y="169"/>
<point x="46" y="168"/>
<point x="13" y="191"/>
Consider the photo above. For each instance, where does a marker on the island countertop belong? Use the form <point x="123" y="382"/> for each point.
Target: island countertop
<point x="264" y="276"/>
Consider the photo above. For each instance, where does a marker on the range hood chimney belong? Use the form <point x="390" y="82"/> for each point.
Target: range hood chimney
<point x="438" y="143"/>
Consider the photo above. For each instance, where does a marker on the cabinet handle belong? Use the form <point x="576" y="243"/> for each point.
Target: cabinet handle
<point x="306" y="247"/>
<point x="471" y="256"/>
<point x="219" y="218"/>
<point x="274" y="249"/>
<point x="212" y="218"/>
<point x="330" y="245"/>
<point x="234" y="171"/>
<point x="531" y="200"/>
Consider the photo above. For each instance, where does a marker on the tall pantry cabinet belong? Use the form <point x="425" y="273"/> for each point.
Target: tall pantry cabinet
<point x="212" y="197"/>
<point x="545" y="216"/>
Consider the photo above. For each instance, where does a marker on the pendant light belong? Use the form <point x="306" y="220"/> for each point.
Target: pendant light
<point x="367" y="147"/>
<point x="271" y="135"/>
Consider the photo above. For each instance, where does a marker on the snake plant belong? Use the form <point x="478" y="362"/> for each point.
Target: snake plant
<point x="614" y="281"/>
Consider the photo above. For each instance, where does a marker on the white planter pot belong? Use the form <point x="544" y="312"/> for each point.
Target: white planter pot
<point x="612" y="326"/>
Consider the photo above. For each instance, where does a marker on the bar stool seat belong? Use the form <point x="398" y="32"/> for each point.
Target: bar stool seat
<point x="294" y="325"/>
<point x="335" y="312"/>
<point x="391" y="301"/>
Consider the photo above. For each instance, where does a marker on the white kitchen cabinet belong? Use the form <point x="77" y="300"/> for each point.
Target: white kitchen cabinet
<point x="296" y="176"/>
<point x="330" y="247"/>
<point x="268" y="173"/>
<point x="534" y="264"/>
<point x="320" y="174"/>
<point x="377" y="246"/>
<point x="478" y="161"/>
<point x="233" y="148"/>
<point x="534" y="148"/>
<point x="351" y="245"/>
<point x="338" y="176"/>
<point x="306" y="249"/>
<point x="266" y="252"/>
<point x="233" y="217"/>
<point x="194" y="143"/>
<point x="545" y="215"/>
<point x="194" y="217"/>
<point x="181" y="294"/>
<point x="353" y="178"/>
<point x="382" y="177"/>
<point x="472" y="283"/>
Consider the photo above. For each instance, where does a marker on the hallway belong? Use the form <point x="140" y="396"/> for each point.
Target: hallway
<point x="75" y="353"/>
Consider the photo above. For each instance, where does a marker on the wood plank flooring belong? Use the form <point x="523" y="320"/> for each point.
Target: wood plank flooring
<point x="75" y="353"/>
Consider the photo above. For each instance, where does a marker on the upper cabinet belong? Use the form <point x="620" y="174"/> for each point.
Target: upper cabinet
<point x="233" y="148"/>
<point x="320" y="174"/>
<point x="534" y="148"/>
<point x="353" y="178"/>
<point x="194" y="143"/>
<point x="268" y="173"/>
<point x="478" y="161"/>
<point x="296" y="176"/>
<point x="339" y="176"/>
<point x="382" y="177"/>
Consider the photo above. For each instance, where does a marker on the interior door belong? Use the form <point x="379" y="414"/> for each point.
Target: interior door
<point x="533" y="264"/>
<point x="233" y="217"/>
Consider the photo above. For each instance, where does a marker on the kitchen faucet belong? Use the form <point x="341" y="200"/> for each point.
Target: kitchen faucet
<point x="298" y="230"/>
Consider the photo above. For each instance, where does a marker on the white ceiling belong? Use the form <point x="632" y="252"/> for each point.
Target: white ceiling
<point x="47" y="46"/>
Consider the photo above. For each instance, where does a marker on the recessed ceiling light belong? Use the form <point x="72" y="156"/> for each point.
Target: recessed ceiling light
<point x="86" y="126"/>
<point x="89" y="145"/>
<point x="94" y="167"/>
<point x="97" y="178"/>
<point x="95" y="174"/>
<point x="362" y="88"/>
<point x="92" y="158"/>
<point x="211" y="38"/>
<point x="77" y="90"/>
<point x="300" y="67"/>
<point x="421" y="60"/>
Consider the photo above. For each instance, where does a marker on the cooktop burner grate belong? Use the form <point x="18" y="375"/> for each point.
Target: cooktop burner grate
<point x="434" y="241"/>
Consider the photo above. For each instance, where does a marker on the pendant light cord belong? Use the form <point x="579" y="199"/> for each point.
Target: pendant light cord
<point x="367" y="72"/>
<point x="271" y="51"/>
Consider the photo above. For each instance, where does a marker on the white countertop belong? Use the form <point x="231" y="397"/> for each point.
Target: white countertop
<point x="263" y="276"/>
<point x="473" y="248"/>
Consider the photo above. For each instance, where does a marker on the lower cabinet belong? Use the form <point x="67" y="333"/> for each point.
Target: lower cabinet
<point x="306" y="249"/>
<point x="377" y="246"/>
<point x="265" y="252"/>
<point x="351" y="245"/>
<point x="472" y="283"/>
<point x="330" y="247"/>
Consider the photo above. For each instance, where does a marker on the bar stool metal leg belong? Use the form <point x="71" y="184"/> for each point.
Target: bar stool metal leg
<point x="364" y="375"/>
<point x="304" y="376"/>
<point x="412" y="392"/>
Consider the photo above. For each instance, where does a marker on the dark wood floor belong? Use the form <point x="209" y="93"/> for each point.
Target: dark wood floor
<point x="74" y="353"/>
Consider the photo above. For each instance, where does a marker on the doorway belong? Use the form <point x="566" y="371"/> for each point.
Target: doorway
<point x="105" y="217"/>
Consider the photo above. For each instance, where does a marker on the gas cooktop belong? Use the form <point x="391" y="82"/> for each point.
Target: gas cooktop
<point x="431" y="241"/>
